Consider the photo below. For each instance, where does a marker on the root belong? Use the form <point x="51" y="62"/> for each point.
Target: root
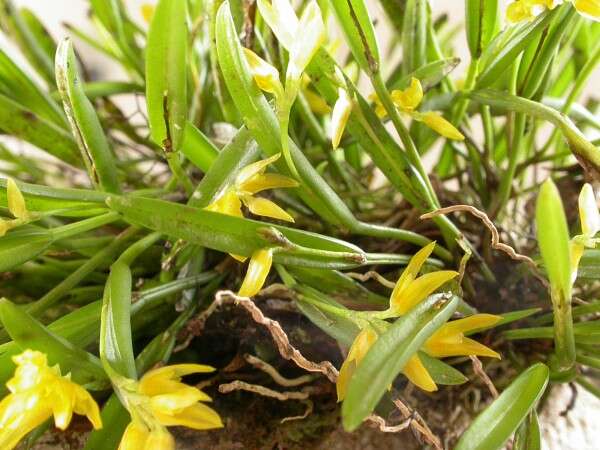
<point x="275" y="375"/>
<point x="478" y="369"/>
<point x="418" y="424"/>
<point x="496" y="244"/>
<point x="371" y="274"/>
<point x="286" y="350"/>
<point x="239" y="385"/>
<point x="385" y="428"/>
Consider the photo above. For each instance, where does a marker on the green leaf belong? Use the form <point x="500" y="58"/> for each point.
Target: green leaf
<point x="429" y="74"/>
<point x="528" y="435"/>
<point x="492" y="428"/>
<point x="240" y="152"/>
<point x="414" y="35"/>
<point x="18" y="247"/>
<point x="553" y="237"/>
<point x="14" y="83"/>
<point x="198" y="149"/>
<point x="390" y="353"/>
<point x="482" y="21"/>
<point x="512" y="48"/>
<point x="115" y="331"/>
<point x="545" y="52"/>
<point x="441" y="372"/>
<point x="25" y="124"/>
<point x="95" y="151"/>
<point x="236" y="235"/>
<point x="353" y="17"/>
<point x="314" y="305"/>
<point x="28" y="333"/>
<point x="338" y="284"/>
<point x="166" y="74"/>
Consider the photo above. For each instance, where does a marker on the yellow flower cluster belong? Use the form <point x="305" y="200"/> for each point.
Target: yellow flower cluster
<point x="408" y="100"/>
<point x="449" y="340"/>
<point x="161" y="400"/>
<point x="251" y="180"/>
<point x="521" y="10"/>
<point x="38" y="392"/>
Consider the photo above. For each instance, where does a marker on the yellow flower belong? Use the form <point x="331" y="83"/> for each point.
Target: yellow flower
<point x="161" y="400"/>
<point x="359" y="348"/>
<point x="16" y="206"/>
<point x="339" y="118"/>
<point x="450" y="339"/>
<point x="408" y="100"/>
<point x="258" y="269"/>
<point x="589" y="216"/>
<point x="38" y="392"/>
<point x="251" y="180"/>
<point x="527" y="9"/>
<point x="411" y="290"/>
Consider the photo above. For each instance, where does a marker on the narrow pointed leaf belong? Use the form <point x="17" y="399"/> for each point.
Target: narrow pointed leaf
<point x="492" y="428"/>
<point x="88" y="132"/>
<point x="166" y="74"/>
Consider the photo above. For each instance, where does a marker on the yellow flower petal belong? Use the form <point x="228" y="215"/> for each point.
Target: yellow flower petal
<point x="412" y="270"/>
<point x="147" y="11"/>
<point x="346" y="372"/>
<point x="519" y="11"/>
<point x="410" y="98"/>
<point x="467" y="347"/>
<point x="19" y="414"/>
<point x="85" y="405"/>
<point x="198" y="417"/>
<point x="588" y="8"/>
<point x="317" y="104"/>
<point x="254" y="169"/>
<point x="339" y="118"/>
<point x="262" y="182"/>
<point x="474" y="322"/>
<point x="134" y="437"/>
<point x="266" y="208"/>
<point x="258" y="269"/>
<point x="16" y="202"/>
<point x="159" y="439"/>
<point x="265" y="75"/>
<point x="588" y="212"/>
<point x="418" y="375"/>
<point x="576" y="250"/>
<point x="437" y="123"/>
<point x="359" y="348"/>
<point x="419" y="289"/>
<point x="228" y="203"/>
<point x="156" y="381"/>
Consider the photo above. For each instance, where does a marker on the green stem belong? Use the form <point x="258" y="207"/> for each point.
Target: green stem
<point x="98" y="260"/>
<point x="83" y="226"/>
<point x="136" y="249"/>
<point x="564" y="341"/>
